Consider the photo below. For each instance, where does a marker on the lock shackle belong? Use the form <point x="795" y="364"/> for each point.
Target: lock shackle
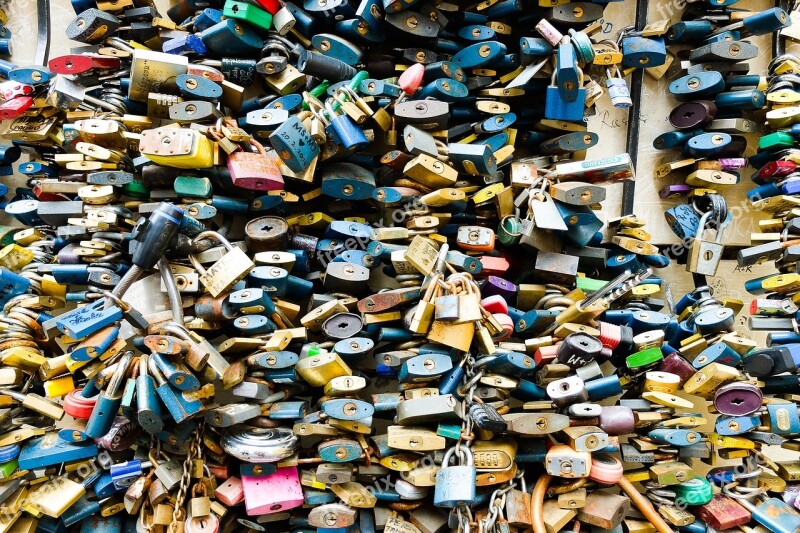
<point x="208" y="235"/>
<point x="464" y="455"/>
<point x="117" y="381"/>
<point x="316" y="107"/>
<point x="272" y="46"/>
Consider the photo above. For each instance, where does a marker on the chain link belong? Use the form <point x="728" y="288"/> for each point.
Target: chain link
<point x="195" y="452"/>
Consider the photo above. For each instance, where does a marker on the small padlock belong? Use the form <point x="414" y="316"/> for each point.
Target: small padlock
<point x="618" y="89"/>
<point x="704" y="256"/>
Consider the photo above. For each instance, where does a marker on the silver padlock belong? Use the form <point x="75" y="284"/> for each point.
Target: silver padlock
<point x="618" y="89"/>
<point x="566" y="391"/>
<point x="455" y="485"/>
<point x="704" y="256"/>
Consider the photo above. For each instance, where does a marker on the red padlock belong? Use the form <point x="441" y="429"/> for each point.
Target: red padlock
<point x="77" y="406"/>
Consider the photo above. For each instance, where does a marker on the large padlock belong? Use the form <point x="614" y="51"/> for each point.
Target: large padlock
<point x="704" y="256"/>
<point x="556" y="108"/>
<point x="455" y="485"/>
<point x="227" y="271"/>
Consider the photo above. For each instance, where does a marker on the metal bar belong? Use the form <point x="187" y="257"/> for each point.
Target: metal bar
<point x="632" y="140"/>
<point x="43" y="33"/>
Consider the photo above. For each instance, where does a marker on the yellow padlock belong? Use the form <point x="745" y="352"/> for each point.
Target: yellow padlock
<point x="177" y="147"/>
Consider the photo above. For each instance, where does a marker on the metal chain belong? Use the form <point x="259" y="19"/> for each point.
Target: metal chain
<point x="195" y="452"/>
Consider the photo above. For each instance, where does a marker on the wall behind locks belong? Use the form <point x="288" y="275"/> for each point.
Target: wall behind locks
<point x="609" y="122"/>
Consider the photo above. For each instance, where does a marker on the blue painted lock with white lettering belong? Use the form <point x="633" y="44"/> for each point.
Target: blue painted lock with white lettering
<point x="11" y="285"/>
<point x="274" y="280"/>
<point x="124" y="474"/>
<point x="91" y="318"/>
<point x="294" y="144"/>
<point x="675" y="437"/>
<point x="683" y="220"/>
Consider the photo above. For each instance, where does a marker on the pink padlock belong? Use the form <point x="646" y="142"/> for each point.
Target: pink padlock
<point x="276" y="492"/>
<point x="231" y="492"/>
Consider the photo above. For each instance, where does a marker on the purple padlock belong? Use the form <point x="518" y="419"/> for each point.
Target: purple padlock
<point x="494" y="285"/>
<point x="732" y="163"/>
<point x="673" y="191"/>
<point x="121" y="436"/>
<point x="738" y="399"/>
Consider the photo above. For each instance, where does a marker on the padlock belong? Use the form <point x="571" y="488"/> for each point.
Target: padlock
<point x="704" y="256"/>
<point x="455" y="485"/>
<point x="225" y="273"/>
<point x="618" y="89"/>
<point x="177" y="147"/>
<point x="559" y="109"/>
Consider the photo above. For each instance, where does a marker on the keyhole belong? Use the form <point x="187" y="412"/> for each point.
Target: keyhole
<point x="737" y="401"/>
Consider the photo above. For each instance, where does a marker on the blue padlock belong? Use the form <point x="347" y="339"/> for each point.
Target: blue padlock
<point x="349" y="135"/>
<point x="643" y="52"/>
<point x="683" y="220"/>
<point x="348" y="181"/>
<point x="272" y="279"/>
<point x="556" y="108"/>
<point x="231" y="38"/>
<point x="84" y="321"/>
<point x="294" y="144"/>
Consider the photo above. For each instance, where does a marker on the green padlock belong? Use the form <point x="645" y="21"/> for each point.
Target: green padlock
<point x="249" y="13"/>
<point x="697" y="491"/>
<point x="644" y="358"/>
<point x="778" y="139"/>
<point x="193" y="187"/>
<point x="509" y="230"/>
